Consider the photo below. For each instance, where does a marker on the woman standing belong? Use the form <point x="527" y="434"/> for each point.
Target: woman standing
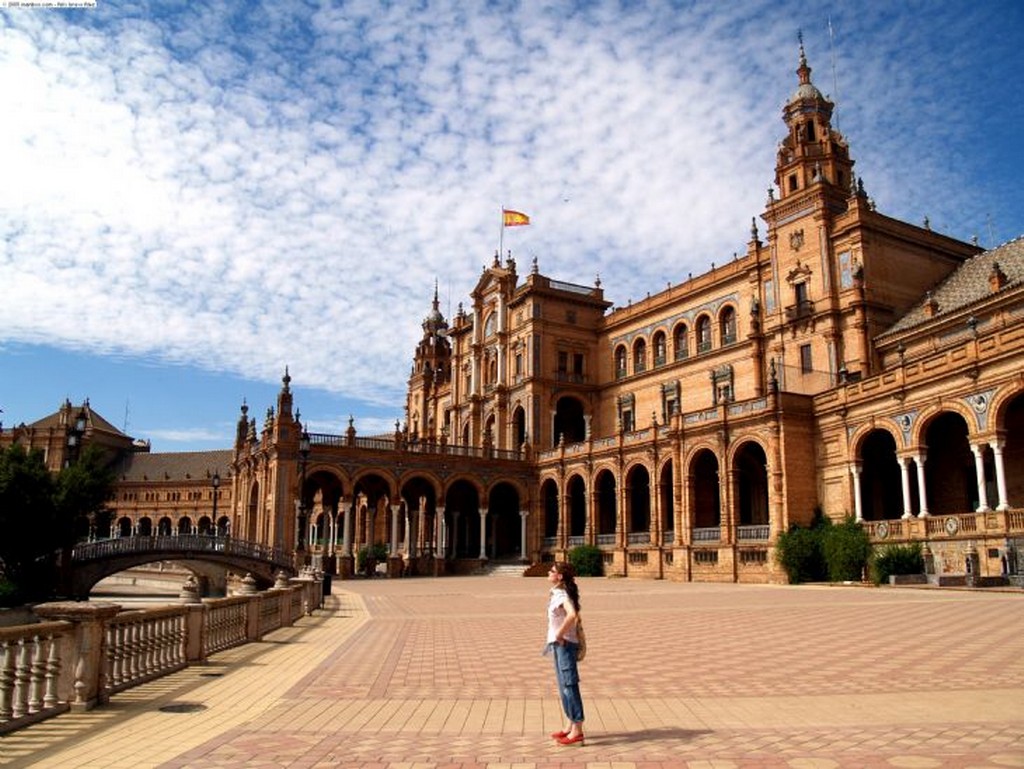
<point x="563" y="642"/>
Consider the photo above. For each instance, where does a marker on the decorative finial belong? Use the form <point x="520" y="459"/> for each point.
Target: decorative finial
<point x="534" y="269"/>
<point x="286" y="379"/>
<point x="597" y="281"/>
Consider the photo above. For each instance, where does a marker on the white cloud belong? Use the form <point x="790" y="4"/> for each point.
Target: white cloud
<point x="246" y="190"/>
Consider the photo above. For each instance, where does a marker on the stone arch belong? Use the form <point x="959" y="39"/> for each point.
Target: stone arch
<point x="681" y="341"/>
<point x="144" y="527"/>
<point x="639" y="355"/>
<point x="659" y="347"/>
<point x="164" y="527"/>
<point x="252" y="508"/>
<point x="666" y="495"/>
<point x="706" y="505"/>
<point x="518" y="426"/>
<point x="549" y="503"/>
<point x="607" y="495"/>
<point x="372" y="496"/>
<point x="576" y="493"/>
<point x="184" y="525"/>
<point x="750" y="464"/>
<point x="504" y="534"/>
<point x="880" y="476"/>
<point x="950" y="478"/>
<point x="638" y="499"/>
<point x="702" y="330"/>
<point x="727" y="325"/>
<point x="418" y="518"/>
<point x="621" y="361"/>
<point x="569" y="420"/>
<point x="1010" y="427"/>
<point x="124" y="526"/>
<point x="462" y="509"/>
<point x="322" y="494"/>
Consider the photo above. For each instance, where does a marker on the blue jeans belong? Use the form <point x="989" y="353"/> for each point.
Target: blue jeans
<point x="568" y="680"/>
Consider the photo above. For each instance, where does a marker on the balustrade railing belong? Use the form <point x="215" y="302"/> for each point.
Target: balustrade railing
<point x="708" y="534"/>
<point x="30" y="666"/>
<point x="759" y="532"/>
<point x="142" y="645"/>
<point x="82" y="653"/>
<point x="639" y="537"/>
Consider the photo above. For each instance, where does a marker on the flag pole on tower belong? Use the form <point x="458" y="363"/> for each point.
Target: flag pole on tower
<point x="510" y="218"/>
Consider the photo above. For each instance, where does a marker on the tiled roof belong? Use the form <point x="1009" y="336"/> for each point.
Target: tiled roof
<point x="968" y="284"/>
<point x="93" y="420"/>
<point x="176" y="466"/>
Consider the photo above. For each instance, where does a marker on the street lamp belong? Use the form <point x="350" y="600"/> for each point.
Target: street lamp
<point x="75" y="435"/>
<point x="215" y="481"/>
<point x="300" y="546"/>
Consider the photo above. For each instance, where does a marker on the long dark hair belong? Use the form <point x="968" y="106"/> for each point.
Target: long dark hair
<point x="568" y="575"/>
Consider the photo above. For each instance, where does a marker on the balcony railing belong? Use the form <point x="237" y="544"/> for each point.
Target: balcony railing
<point x="752" y="533"/>
<point x="708" y="534"/>
<point x="800" y="310"/>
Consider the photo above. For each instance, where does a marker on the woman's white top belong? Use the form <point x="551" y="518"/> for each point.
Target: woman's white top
<point x="556" y="616"/>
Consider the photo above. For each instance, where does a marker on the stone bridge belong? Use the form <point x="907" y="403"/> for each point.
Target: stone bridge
<point x="92" y="561"/>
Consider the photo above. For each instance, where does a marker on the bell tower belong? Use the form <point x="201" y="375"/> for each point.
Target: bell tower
<point x="813" y="152"/>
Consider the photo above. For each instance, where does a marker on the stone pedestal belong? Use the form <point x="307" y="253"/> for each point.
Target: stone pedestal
<point x="80" y="682"/>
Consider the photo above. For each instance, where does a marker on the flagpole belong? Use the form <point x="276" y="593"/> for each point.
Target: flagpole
<point x="501" y="232"/>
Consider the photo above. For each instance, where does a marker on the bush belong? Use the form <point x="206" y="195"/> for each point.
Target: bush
<point x="896" y="559"/>
<point x="369" y="556"/>
<point x="587" y="561"/>
<point x="799" y="552"/>
<point x="847" y="550"/>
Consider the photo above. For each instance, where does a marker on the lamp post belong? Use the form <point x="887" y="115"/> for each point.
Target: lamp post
<point x="300" y="546"/>
<point x="215" y="482"/>
<point x="75" y="435"/>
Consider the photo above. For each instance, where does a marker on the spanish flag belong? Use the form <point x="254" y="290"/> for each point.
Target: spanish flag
<point x="513" y="218"/>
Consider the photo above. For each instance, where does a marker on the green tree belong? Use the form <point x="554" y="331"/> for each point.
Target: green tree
<point x="41" y="515"/>
<point x="27" y="518"/>
<point x="847" y="550"/>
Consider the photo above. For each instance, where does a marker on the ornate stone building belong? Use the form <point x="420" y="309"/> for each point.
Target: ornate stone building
<point x="847" y="362"/>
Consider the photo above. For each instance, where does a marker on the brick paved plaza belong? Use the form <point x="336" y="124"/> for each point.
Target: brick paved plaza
<point x="448" y="672"/>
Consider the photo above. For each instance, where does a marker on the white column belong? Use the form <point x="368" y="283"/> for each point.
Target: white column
<point x="554" y="438"/>
<point x="922" y="494"/>
<point x="997" y="451"/>
<point x="346" y="529"/>
<point x="394" y="529"/>
<point x="522" y="533"/>
<point x="441" y="532"/>
<point x="408" y="543"/>
<point x="979" y="468"/>
<point x="857" y="503"/>
<point x="483" y="533"/>
<point x="586" y="427"/>
<point x="905" y="481"/>
<point x="334" y="531"/>
<point x="474" y="379"/>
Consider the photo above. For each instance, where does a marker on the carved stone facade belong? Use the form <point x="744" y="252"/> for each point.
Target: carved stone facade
<point x="847" y="362"/>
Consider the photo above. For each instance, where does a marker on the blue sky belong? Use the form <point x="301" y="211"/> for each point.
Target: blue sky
<point x="195" y="195"/>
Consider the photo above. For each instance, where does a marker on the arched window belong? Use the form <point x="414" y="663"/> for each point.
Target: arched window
<point x="703" y="334"/>
<point x="727" y="326"/>
<point x="681" y="341"/>
<point x="620" y="361"/>
<point x="639" y="356"/>
<point x="659" y="348"/>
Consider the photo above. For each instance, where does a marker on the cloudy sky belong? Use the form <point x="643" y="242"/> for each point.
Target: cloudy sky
<point x="196" y="195"/>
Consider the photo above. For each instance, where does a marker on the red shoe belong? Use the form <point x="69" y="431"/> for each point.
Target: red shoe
<point x="567" y="740"/>
<point x="558" y="735"/>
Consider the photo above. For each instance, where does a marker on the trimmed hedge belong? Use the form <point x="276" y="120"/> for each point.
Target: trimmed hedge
<point x="896" y="559"/>
<point x="824" y="551"/>
<point x="587" y="561"/>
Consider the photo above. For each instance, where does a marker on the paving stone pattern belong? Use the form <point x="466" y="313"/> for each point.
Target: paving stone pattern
<point x="436" y="673"/>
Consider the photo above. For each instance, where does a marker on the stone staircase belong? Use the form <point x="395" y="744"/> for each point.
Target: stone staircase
<point x="504" y="569"/>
